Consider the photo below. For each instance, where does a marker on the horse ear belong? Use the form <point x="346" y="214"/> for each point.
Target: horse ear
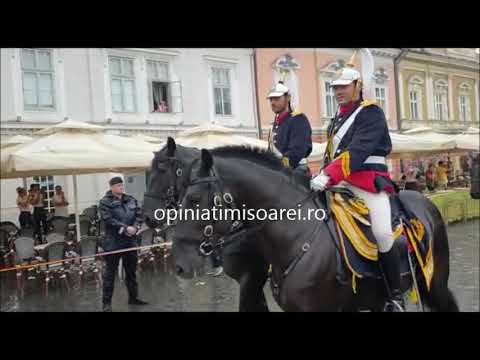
<point x="207" y="160"/>
<point x="171" y="146"/>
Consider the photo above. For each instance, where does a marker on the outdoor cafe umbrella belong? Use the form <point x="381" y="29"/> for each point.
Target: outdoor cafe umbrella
<point x="401" y="144"/>
<point x="73" y="148"/>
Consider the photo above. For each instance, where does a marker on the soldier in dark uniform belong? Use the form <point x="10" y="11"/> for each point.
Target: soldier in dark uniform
<point x="122" y="217"/>
<point x="291" y="135"/>
<point x="355" y="158"/>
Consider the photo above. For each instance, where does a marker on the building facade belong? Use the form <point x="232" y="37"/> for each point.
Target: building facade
<point x="157" y="92"/>
<point x="439" y="89"/>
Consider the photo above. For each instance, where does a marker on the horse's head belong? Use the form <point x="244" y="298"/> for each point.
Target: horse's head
<point x="198" y="232"/>
<point x="166" y="183"/>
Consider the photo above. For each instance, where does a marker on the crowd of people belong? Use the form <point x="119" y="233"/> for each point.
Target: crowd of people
<point x="438" y="175"/>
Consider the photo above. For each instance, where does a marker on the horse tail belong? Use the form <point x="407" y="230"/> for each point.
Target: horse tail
<point x="440" y="297"/>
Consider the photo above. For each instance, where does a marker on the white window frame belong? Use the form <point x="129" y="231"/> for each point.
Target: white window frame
<point x="48" y="199"/>
<point x="230" y="87"/>
<point x="440" y="99"/>
<point x="415" y="85"/>
<point x="37" y="73"/>
<point x="385" y="97"/>
<point x="326" y="95"/>
<point x="122" y="77"/>
<point x="465" y="92"/>
<point x="151" y="80"/>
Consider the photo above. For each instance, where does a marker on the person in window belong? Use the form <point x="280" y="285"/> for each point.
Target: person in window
<point x="162" y="107"/>
<point x="36" y="199"/>
<point x="25" y="217"/>
<point x="60" y="202"/>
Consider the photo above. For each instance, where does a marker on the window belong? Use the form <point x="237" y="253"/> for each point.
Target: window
<point x="122" y="82"/>
<point x="441" y="107"/>
<point x="47" y="185"/>
<point x="414" y="104"/>
<point x="464" y="102"/>
<point x="380" y="97"/>
<point x="415" y="97"/>
<point x="37" y="79"/>
<point x="330" y="101"/>
<point x="464" y="107"/>
<point x="158" y="78"/>
<point x="222" y="91"/>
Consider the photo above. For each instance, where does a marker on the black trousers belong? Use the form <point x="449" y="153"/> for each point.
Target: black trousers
<point x="129" y="260"/>
<point x="25" y="219"/>
<point x="39" y="222"/>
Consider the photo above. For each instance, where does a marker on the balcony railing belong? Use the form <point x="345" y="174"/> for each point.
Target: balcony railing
<point x="438" y="124"/>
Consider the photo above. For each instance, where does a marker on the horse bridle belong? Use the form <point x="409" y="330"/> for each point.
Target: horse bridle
<point x="209" y="245"/>
<point x="171" y="197"/>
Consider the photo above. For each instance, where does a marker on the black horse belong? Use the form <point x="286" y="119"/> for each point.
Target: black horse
<point x="166" y="187"/>
<point x="258" y="180"/>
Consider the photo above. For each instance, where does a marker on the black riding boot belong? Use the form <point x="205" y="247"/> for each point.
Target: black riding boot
<point x="390" y="263"/>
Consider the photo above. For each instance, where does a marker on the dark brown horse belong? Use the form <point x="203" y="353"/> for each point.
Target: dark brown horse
<point x="166" y="186"/>
<point x="257" y="180"/>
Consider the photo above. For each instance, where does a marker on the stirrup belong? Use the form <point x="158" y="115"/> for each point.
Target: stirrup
<point x="394" y="306"/>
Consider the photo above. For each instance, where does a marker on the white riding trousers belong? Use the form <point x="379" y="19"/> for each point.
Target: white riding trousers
<point x="380" y="215"/>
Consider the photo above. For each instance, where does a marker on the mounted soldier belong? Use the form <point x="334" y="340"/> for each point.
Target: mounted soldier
<point x="291" y="133"/>
<point x="355" y="158"/>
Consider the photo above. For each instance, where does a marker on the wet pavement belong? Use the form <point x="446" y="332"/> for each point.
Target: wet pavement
<point x="165" y="292"/>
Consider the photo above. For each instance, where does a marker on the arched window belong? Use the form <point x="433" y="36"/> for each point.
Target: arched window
<point x="441" y="100"/>
<point x="415" y="91"/>
<point x="465" y="93"/>
<point x="381" y="78"/>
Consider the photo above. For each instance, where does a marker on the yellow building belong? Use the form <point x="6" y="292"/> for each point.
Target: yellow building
<point x="439" y="88"/>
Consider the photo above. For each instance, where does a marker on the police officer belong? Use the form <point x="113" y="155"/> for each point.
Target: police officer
<point x="122" y="217"/>
<point x="358" y="143"/>
<point x="291" y="134"/>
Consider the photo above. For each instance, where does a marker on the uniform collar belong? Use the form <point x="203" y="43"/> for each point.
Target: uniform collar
<point x="280" y="118"/>
<point x="348" y="108"/>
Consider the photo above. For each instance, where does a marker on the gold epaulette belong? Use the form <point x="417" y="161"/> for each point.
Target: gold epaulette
<point x="366" y="103"/>
<point x="295" y="113"/>
<point x="286" y="161"/>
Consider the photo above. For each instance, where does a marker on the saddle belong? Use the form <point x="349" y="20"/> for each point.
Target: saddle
<point x="358" y="246"/>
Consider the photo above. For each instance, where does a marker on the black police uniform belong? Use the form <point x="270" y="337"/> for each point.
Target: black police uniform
<point x="293" y="139"/>
<point x="117" y="214"/>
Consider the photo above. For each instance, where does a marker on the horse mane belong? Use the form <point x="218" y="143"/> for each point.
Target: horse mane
<point x="260" y="156"/>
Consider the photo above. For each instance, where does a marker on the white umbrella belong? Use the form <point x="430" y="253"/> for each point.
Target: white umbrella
<point x="72" y="148"/>
<point x="212" y="136"/>
<point x="148" y="139"/>
<point x="401" y="144"/>
<point x="15" y="140"/>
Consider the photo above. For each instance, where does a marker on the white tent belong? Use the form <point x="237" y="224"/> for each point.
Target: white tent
<point x="15" y="140"/>
<point x="468" y="140"/>
<point x="72" y="148"/>
<point x="401" y="144"/>
<point x="210" y="136"/>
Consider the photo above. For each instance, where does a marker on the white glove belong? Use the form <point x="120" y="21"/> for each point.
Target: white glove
<point x="319" y="183"/>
